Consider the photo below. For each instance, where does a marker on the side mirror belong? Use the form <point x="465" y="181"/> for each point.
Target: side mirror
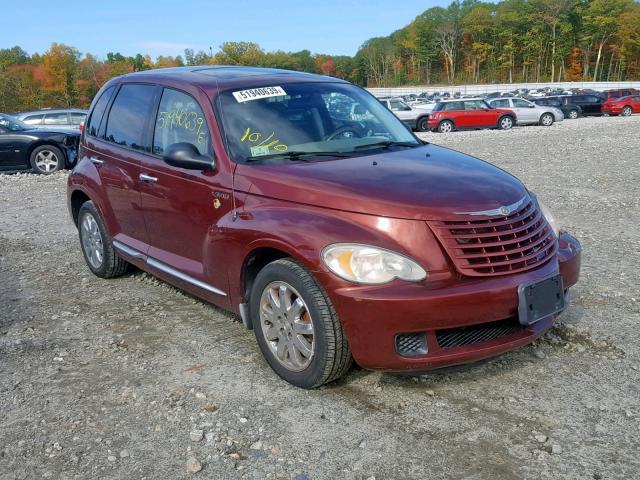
<point x="186" y="155"/>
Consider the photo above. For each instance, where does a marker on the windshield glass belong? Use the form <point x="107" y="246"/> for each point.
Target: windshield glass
<point x="306" y="118"/>
<point x="13" y="124"/>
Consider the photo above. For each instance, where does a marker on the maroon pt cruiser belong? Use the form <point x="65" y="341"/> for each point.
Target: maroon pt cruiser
<point x="301" y="203"/>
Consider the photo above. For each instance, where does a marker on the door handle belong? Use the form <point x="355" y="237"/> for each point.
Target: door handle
<point x="147" y="178"/>
<point x="96" y="161"/>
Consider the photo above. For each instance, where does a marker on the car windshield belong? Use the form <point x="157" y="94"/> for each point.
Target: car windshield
<point x="300" y="120"/>
<point x="13" y="124"/>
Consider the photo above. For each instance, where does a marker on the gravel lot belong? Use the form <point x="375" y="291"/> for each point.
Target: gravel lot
<point x="130" y="378"/>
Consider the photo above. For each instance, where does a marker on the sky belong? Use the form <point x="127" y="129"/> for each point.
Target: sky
<point x="336" y="27"/>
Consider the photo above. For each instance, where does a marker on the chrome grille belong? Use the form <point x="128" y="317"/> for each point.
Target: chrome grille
<point x="498" y="245"/>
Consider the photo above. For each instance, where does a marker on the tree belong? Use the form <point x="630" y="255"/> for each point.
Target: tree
<point x="60" y="66"/>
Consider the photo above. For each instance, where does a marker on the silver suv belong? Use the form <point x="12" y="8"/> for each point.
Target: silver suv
<point x="413" y="117"/>
<point x="528" y="113"/>
<point x="61" y="120"/>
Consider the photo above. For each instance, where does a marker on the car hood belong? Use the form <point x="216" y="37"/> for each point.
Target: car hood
<point x="423" y="183"/>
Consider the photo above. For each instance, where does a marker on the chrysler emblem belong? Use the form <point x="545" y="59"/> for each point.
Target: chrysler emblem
<point x="504" y="210"/>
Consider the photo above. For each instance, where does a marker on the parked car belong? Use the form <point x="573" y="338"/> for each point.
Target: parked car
<point x="591" y="105"/>
<point x="569" y="110"/>
<point x="44" y="151"/>
<point x="414" y="117"/>
<point x="624" y="106"/>
<point x="331" y="242"/>
<point x="451" y="115"/>
<point x="528" y="113"/>
<point x="618" y="93"/>
<point x="60" y="120"/>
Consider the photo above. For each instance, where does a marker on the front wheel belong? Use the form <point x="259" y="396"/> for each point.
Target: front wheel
<point x="546" y="120"/>
<point x="46" y="159"/>
<point x="626" y="111"/>
<point x="296" y="326"/>
<point x="505" y="123"/>
<point x="445" y="126"/>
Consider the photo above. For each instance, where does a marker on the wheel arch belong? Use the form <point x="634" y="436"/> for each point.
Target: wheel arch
<point x="76" y="200"/>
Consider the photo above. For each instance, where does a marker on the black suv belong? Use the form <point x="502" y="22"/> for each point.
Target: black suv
<point x="570" y="110"/>
<point x="590" y="104"/>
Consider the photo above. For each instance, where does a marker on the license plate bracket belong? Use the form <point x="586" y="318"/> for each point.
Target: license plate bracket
<point x="539" y="299"/>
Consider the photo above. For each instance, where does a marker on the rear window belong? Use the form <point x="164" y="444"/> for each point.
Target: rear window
<point x="93" y="127"/>
<point x="127" y="122"/>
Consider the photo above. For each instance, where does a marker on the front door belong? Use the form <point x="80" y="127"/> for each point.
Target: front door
<point x="9" y="150"/>
<point x="182" y="207"/>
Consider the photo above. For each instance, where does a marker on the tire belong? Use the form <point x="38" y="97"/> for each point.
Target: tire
<point x="573" y="114"/>
<point x="326" y="356"/>
<point x="102" y="259"/>
<point x="547" y="119"/>
<point x="446" y="126"/>
<point x="626" y="111"/>
<point x="422" y="125"/>
<point x="505" y="122"/>
<point x="46" y="159"/>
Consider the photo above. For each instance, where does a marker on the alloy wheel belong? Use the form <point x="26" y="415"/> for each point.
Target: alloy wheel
<point x="573" y="114"/>
<point x="47" y="161"/>
<point x="506" y="123"/>
<point x="287" y="326"/>
<point x="626" y="111"/>
<point x="547" y="120"/>
<point x="92" y="241"/>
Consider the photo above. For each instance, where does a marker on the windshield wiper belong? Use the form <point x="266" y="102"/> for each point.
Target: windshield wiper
<point x="295" y="155"/>
<point x="386" y="144"/>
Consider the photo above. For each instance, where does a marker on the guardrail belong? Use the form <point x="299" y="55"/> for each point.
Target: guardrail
<point x="496" y="87"/>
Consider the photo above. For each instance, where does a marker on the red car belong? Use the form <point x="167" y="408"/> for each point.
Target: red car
<point x="624" y="106"/>
<point x="451" y="115"/>
<point x="618" y="93"/>
<point x="335" y="239"/>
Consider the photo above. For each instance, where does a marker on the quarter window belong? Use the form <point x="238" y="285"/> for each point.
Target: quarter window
<point x="77" y="118"/>
<point x="180" y="119"/>
<point x="98" y="111"/>
<point x="453" y="106"/>
<point x="128" y="116"/>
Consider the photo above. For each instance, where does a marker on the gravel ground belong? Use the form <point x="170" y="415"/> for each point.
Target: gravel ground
<point x="131" y="378"/>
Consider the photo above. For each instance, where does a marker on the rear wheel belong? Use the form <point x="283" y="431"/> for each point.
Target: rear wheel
<point x="296" y="326"/>
<point x="422" y="125"/>
<point x="100" y="256"/>
<point x="573" y="114"/>
<point x="546" y="120"/>
<point x="505" y="123"/>
<point x="445" y="126"/>
<point x="626" y="111"/>
<point x="46" y="159"/>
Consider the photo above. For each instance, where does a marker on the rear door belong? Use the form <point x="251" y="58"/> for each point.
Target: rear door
<point x="182" y="207"/>
<point x="116" y="143"/>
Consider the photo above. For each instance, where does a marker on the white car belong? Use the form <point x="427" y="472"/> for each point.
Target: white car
<point x="528" y="113"/>
<point x="414" y="117"/>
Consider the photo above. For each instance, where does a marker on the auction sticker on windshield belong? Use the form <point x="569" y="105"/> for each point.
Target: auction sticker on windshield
<point x="258" y="93"/>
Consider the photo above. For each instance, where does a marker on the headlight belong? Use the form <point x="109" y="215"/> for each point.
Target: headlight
<point x="550" y="218"/>
<point x="372" y="265"/>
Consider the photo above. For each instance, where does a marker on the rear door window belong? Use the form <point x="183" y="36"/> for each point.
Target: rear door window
<point x="127" y="122"/>
<point x="502" y="103"/>
<point x="180" y="119"/>
<point x="60" y="118"/>
<point x="93" y="127"/>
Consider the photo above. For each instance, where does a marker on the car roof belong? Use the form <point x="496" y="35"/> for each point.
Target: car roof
<point x="220" y="77"/>
<point x="52" y="110"/>
<point x="460" y="99"/>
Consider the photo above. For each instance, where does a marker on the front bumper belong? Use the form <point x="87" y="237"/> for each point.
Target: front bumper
<point x="374" y="316"/>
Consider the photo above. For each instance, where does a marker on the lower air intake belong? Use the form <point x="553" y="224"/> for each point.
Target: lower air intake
<point x="458" y="337"/>
<point x="411" y="344"/>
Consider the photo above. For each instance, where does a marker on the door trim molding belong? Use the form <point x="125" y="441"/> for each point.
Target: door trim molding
<point x="152" y="262"/>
